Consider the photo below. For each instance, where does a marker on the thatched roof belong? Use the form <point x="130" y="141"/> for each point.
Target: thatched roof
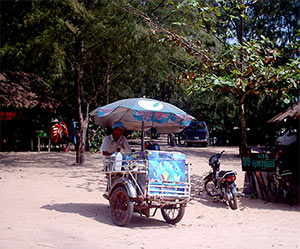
<point x="293" y="112"/>
<point x="23" y="90"/>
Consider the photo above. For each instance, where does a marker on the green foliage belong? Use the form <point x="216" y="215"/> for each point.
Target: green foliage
<point x="96" y="136"/>
<point x="135" y="135"/>
<point x="198" y="46"/>
<point x="247" y="66"/>
<point x="276" y="19"/>
<point x="218" y="109"/>
<point x="218" y="18"/>
<point x="118" y="57"/>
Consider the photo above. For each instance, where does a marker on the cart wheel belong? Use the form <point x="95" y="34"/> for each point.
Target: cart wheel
<point x="121" y="208"/>
<point x="172" y="214"/>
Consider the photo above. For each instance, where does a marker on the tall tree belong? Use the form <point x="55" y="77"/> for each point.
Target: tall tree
<point x="89" y="52"/>
<point x="279" y="20"/>
<point x="79" y="47"/>
<point x="246" y="67"/>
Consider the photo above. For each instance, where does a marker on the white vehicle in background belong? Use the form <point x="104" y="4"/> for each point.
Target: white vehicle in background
<point x="289" y="137"/>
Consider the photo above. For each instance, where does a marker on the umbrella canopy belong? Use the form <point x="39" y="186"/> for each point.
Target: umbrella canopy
<point x="142" y="114"/>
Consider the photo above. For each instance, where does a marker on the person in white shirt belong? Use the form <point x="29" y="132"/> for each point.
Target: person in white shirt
<point x="116" y="140"/>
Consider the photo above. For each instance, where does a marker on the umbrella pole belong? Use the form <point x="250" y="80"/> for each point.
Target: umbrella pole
<point x="143" y="133"/>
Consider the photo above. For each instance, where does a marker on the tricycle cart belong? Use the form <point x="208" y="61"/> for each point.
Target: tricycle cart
<point x="150" y="179"/>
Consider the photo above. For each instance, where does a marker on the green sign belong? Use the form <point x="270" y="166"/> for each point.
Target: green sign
<point x="258" y="162"/>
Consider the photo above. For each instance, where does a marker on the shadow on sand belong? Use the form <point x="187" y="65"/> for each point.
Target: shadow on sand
<point x="101" y="213"/>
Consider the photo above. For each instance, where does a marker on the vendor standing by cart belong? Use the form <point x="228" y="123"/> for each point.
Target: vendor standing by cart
<point x="116" y="140"/>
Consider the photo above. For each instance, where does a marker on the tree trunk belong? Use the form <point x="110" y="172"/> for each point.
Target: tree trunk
<point x="83" y="118"/>
<point x="83" y="126"/>
<point x="83" y="123"/>
<point x="82" y="105"/>
<point x="107" y="94"/>
<point x="107" y="82"/>
<point x="80" y="147"/>
<point x="243" y="146"/>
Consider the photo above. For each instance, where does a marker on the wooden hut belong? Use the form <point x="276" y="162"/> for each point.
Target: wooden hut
<point x="292" y="112"/>
<point x="26" y="106"/>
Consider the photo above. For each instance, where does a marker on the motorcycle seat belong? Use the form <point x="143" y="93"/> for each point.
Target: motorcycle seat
<point x="286" y="172"/>
<point x="225" y="172"/>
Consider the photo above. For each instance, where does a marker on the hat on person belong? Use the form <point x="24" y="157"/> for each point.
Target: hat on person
<point x="118" y="124"/>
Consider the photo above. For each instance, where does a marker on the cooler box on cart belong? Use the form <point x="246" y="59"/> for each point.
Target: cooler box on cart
<point x="168" y="174"/>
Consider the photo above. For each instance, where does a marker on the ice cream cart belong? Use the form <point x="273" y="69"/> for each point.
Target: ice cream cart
<point x="141" y="181"/>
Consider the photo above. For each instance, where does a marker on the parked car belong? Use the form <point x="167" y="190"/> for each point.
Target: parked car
<point x="288" y="138"/>
<point x="197" y="133"/>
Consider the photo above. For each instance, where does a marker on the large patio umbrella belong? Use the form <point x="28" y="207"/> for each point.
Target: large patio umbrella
<point x="142" y="114"/>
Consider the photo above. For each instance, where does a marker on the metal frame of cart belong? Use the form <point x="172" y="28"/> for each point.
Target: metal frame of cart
<point x="136" y="188"/>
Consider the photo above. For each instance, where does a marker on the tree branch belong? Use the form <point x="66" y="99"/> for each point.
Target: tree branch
<point x="155" y="26"/>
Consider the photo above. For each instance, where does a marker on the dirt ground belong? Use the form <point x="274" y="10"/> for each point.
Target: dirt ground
<point x="48" y="201"/>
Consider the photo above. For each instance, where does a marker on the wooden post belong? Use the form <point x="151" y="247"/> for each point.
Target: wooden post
<point x="49" y="144"/>
<point x="143" y="134"/>
<point x="39" y="144"/>
<point x="31" y="143"/>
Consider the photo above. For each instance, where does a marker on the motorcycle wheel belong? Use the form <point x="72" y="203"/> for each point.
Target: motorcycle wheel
<point x="232" y="200"/>
<point x="172" y="214"/>
<point x="272" y="186"/>
<point x="210" y="188"/>
<point x="121" y="208"/>
<point x="289" y="197"/>
<point x="279" y="192"/>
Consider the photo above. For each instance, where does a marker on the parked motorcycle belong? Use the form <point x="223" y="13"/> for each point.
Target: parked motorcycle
<point x="279" y="183"/>
<point x="221" y="184"/>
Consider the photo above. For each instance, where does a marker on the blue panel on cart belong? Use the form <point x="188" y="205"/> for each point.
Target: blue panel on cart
<point x="138" y="157"/>
<point x="166" y="166"/>
<point x="167" y="189"/>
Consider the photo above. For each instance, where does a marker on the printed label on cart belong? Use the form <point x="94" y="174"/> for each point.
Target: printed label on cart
<point x="166" y="166"/>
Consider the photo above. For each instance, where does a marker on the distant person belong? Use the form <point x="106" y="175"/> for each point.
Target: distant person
<point x="173" y="140"/>
<point x="116" y="140"/>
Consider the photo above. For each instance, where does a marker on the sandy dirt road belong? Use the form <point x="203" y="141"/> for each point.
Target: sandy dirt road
<point x="47" y="201"/>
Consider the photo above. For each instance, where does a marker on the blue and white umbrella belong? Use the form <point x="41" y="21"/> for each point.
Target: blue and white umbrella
<point x="142" y="114"/>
